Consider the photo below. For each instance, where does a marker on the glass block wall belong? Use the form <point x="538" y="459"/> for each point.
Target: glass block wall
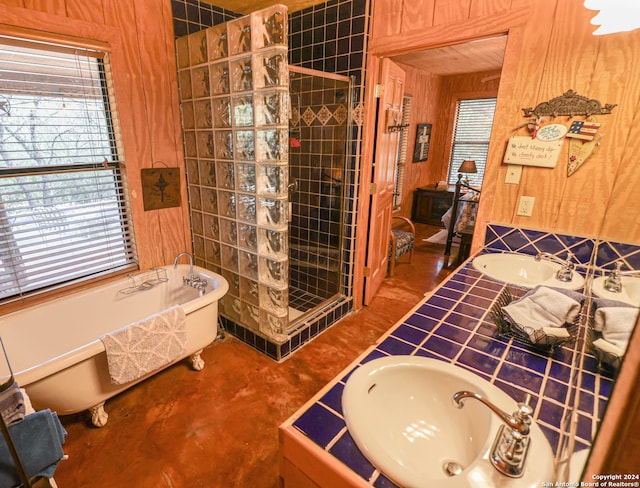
<point x="329" y="37"/>
<point x="233" y="82"/>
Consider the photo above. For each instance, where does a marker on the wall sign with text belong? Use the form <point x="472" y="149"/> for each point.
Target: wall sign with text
<point x="526" y="151"/>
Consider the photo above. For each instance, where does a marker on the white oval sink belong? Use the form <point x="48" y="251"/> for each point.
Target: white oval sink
<point x="630" y="293"/>
<point x="401" y="414"/>
<point x="524" y="270"/>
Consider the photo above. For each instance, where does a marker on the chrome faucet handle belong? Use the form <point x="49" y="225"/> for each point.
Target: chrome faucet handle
<point x="613" y="283"/>
<point x="565" y="273"/>
<point x="509" y="451"/>
<point x="525" y="410"/>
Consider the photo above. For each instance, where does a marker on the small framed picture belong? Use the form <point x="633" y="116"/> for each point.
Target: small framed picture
<point x="423" y="137"/>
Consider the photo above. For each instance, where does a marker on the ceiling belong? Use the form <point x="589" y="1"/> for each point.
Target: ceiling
<point x="247" y="6"/>
<point x="470" y="57"/>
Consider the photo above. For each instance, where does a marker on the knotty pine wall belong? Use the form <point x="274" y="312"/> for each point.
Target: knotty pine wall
<point x="434" y="102"/>
<point x="424" y="88"/>
<point x="140" y="35"/>
<point x="550" y="50"/>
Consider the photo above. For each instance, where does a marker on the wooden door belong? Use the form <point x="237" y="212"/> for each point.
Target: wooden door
<point x="389" y="112"/>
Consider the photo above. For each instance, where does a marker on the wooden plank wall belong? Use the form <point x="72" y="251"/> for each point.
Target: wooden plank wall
<point x="140" y="33"/>
<point x="434" y="102"/>
<point x="550" y="50"/>
<point x="424" y="89"/>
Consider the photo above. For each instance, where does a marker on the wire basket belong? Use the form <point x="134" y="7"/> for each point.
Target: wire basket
<point x="145" y="280"/>
<point x="523" y="334"/>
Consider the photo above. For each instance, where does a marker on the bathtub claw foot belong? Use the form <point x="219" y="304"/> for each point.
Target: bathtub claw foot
<point x="197" y="362"/>
<point x="98" y="415"/>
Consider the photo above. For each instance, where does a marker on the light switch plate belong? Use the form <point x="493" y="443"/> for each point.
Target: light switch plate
<point x="514" y="172"/>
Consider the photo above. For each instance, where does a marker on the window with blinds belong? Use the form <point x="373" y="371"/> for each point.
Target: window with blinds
<point x="471" y="134"/>
<point x="402" y="153"/>
<point x="63" y="209"/>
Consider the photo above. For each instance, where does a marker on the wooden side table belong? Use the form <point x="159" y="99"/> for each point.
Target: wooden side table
<point x="466" y="236"/>
<point x="429" y="205"/>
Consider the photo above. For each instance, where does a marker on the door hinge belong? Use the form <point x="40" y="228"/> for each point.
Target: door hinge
<point x="367" y="272"/>
<point x="373" y="188"/>
<point x="379" y="90"/>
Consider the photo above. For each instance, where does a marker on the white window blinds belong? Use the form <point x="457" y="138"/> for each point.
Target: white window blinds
<point x="471" y="135"/>
<point x="63" y="212"/>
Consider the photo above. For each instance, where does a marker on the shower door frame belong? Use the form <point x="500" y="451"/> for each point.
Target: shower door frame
<point x="293" y="324"/>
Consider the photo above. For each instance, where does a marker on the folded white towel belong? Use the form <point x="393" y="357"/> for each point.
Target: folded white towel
<point x="615" y="320"/>
<point x="549" y="336"/>
<point x="607" y="347"/>
<point x="146" y="346"/>
<point x="544" y="307"/>
<point x="616" y="324"/>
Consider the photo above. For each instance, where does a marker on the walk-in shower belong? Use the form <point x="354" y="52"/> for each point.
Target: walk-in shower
<point x="318" y="141"/>
<point x="265" y="147"/>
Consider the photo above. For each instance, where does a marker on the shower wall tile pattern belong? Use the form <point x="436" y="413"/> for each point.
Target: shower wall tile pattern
<point x="317" y="168"/>
<point x="191" y="16"/>
<point x="330" y="37"/>
<point x="234" y="99"/>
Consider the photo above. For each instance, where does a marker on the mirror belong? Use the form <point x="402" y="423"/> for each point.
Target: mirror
<point x="596" y="201"/>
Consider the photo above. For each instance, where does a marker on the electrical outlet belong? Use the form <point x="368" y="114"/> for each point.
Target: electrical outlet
<point x="525" y="206"/>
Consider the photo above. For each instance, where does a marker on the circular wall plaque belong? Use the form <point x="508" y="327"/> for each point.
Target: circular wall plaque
<point x="551" y="132"/>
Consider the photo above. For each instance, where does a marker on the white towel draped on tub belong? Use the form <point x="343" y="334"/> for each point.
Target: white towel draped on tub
<point x="145" y="346"/>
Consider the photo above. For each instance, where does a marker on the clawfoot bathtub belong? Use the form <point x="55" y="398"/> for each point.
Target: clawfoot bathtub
<point x="55" y="349"/>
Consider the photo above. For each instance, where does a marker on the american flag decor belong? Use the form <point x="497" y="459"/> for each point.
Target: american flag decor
<point x="583" y="130"/>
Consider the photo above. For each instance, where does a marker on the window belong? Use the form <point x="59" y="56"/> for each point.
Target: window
<point x="63" y="212"/>
<point x="401" y="161"/>
<point x="471" y="134"/>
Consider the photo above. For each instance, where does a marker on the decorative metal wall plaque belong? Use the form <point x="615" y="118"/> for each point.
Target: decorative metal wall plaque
<point x="160" y="188"/>
<point x="571" y="104"/>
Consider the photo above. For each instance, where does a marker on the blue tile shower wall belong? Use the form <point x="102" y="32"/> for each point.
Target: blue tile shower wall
<point x="191" y="16"/>
<point x="330" y="37"/>
<point x="454" y="325"/>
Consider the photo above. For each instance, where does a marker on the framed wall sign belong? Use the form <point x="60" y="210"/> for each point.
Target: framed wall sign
<point x="160" y="188"/>
<point x="423" y="138"/>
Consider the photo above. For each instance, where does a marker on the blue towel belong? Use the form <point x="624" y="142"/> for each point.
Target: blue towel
<point x="38" y="440"/>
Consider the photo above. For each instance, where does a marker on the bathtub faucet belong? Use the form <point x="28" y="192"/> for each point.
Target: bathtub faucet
<point x="509" y="451"/>
<point x="565" y="273"/>
<point x="192" y="280"/>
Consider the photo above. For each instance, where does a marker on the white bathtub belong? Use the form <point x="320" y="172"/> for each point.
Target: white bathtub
<point x="55" y="349"/>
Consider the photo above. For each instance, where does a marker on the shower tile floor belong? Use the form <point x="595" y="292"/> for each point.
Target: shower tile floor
<point x="219" y="427"/>
<point x="302" y="301"/>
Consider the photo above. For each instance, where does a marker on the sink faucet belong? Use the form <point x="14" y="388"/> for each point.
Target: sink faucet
<point x="509" y="451"/>
<point x="565" y="273"/>
<point x="613" y="283"/>
<point x="192" y="280"/>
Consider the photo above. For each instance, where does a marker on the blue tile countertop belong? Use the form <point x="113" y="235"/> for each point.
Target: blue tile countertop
<point x="454" y="325"/>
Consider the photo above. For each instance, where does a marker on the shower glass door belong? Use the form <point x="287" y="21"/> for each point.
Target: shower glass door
<point x="318" y="143"/>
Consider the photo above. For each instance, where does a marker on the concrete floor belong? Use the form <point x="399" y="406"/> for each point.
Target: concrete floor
<point x="219" y="427"/>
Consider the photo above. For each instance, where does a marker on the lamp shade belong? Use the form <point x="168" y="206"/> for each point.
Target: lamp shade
<point x="468" y="166"/>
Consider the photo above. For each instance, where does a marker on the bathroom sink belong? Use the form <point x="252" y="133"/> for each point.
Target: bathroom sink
<point x="524" y="270"/>
<point x="630" y="293"/>
<point x="401" y="414"/>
